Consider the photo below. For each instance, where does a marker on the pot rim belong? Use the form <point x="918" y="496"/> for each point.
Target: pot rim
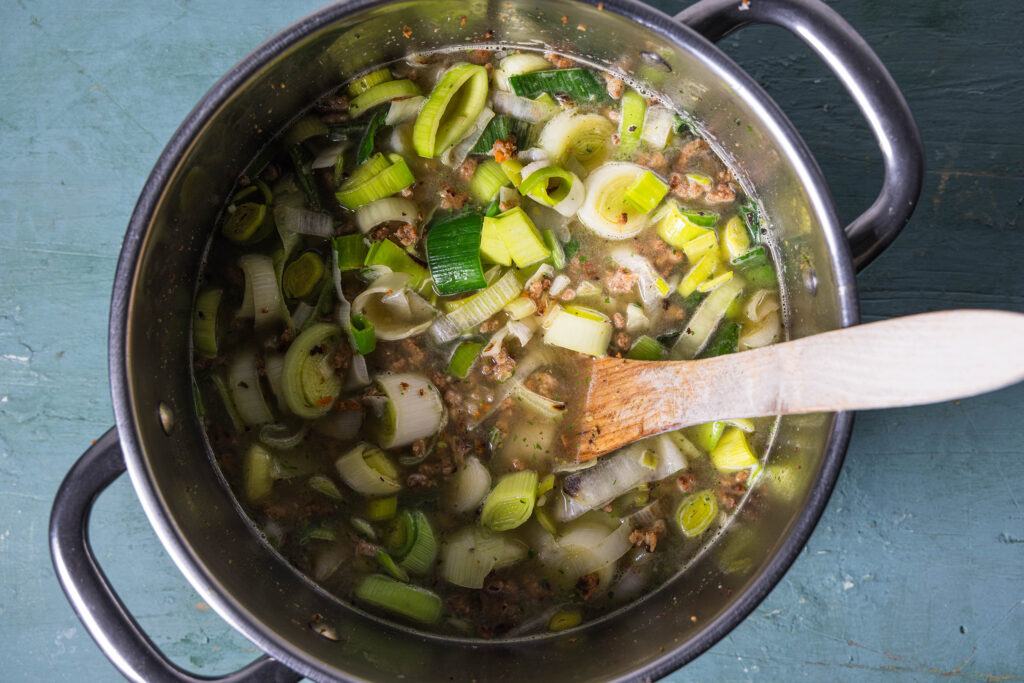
<point x="152" y="194"/>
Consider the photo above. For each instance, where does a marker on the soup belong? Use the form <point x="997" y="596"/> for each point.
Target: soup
<point x="394" y="319"/>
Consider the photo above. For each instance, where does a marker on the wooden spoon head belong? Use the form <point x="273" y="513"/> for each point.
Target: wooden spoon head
<point x="621" y="406"/>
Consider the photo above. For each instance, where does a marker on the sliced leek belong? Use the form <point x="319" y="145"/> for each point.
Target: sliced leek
<point x="244" y="385"/>
<point x="696" y="512"/>
<point x="380" y="211"/>
<point x="402" y="599"/>
<point x="517" y="232"/>
<point x="204" y="322"/>
<point x="583" y="137"/>
<point x="368" y="471"/>
<point x="580" y="329"/>
<point x="394" y="310"/>
<point x="469" y="485"/>
<point x="309" y="382"/>
<point x="605" y="210"/>
<point x="477" y="308"/>
<point x="705" y="319"/>
<point x="413" y="410"/>
<point x="631" y="122"/>
<point x="381" y="93"/>
<point x="488" y="179"/>
<point x="732" y="452"/>
<point x="452" y="107"/>
<point x="377" y="178"/>
<point x="510" y="503"/>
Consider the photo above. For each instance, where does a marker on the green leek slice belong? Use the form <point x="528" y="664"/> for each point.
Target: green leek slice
<point x="500" y="128"/>
<point x="246" y="223"/>
<point x="420" y="557"/>
<point x="548" y="185"/>
<point x="696" y="513"/>
<point x="585" y="137"/>
<point x="387" y="253"/>
<point x="453" y="254"/>
<point x="579" y="329"/>
<point x="580" y="84"/>
<point x="452" y="107"/>
<point x="646" y="192"/>
<point x="510" y="503"/>
<point x="368" y="471"/>
<point x="258" y="472"/>
<point x="302" y="275"/>
<point x="204" y="322"/>
<point x="732" y="452"/>
<point x="646" y="348"/>
<point x="520" y="236"/>
<point x="351" y="250"/>
<point x="487" y="180"/>
<point x="462" y="359"/>
<point x="492" y="247"/>
<point x="631" y="122"/>
<point x="381" y="93"/>
<point x="606" y="211"/>
<point x="402" y="599"/>
<point x="363" y="334"/>
<point x="368" y="183"/>
<point x="303" y="129"/>
<point x="366" y="144"/>
<point x="309" y="382"/>
<point x="363" y="83"/>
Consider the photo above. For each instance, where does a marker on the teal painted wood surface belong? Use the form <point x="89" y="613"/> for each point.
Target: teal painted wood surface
<point x="916" y="571"/>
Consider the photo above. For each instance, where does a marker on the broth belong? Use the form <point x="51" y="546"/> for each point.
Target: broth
<point x="386" y="342"/>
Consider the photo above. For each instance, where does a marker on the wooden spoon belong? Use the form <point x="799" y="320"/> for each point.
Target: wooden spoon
<point x="907" y="361"/>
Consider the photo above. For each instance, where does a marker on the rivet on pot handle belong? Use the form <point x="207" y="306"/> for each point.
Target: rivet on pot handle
<point x="867" y="81"/>
<point x="91" y="595"/>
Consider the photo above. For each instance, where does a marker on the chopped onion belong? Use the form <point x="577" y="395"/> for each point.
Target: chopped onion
<point x="414" y="409"/>
<point x="369" y="216"/>
<point x="522" y="108"/>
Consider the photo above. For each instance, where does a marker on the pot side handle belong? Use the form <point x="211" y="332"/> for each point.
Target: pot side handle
<point x="90" y="593"/>
<point x="867" y="81"/>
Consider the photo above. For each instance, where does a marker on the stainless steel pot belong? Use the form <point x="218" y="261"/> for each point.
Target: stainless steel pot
<point x="158" y="438"/>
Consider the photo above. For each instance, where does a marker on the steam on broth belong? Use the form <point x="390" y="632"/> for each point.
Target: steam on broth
<point x="393" y="317"/>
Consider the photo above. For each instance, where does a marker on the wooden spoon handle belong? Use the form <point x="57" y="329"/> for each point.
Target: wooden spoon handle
<point x="899" y="362"/>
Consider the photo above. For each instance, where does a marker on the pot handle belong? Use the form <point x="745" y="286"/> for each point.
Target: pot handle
<point x="91" y="595"/>
<point x="867" y="81"/>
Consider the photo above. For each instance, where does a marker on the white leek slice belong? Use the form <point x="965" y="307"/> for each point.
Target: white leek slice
<point x="547" y="407"/>
<point x="762" y="333"/>
<point x="262" y="299"/>
<point x="457" y="153"/>
<point x="636" y="319"/>
<point x="470" y="554"/>
<point x="377" y="479"/>
<point x="605" y="210"/>
<point x="244" y="385"/>
<point x="404" y="110"/>
<point x="522" y="108"/>
<point x="585" y="546"/>
<point x="305" y="222"/>
<point x="574" y="200"/>
<point x="328" y="156"/>
<point x="413" y="411"/>
<point x="579" y="329"/>
<point x="652" y="286"/>
<point x="469" y="486"/>
<point x="560" y="282"/>
<point x="369" y="216"/>
<point x="514" y="65"/>
<point x="395" y="311"/>
<point x="761" y="304"/>
<point x="585" y="137"/>
<point x="705" y="320"/>
<point x="658" y="123"/>
<point x="478" y="308"/>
